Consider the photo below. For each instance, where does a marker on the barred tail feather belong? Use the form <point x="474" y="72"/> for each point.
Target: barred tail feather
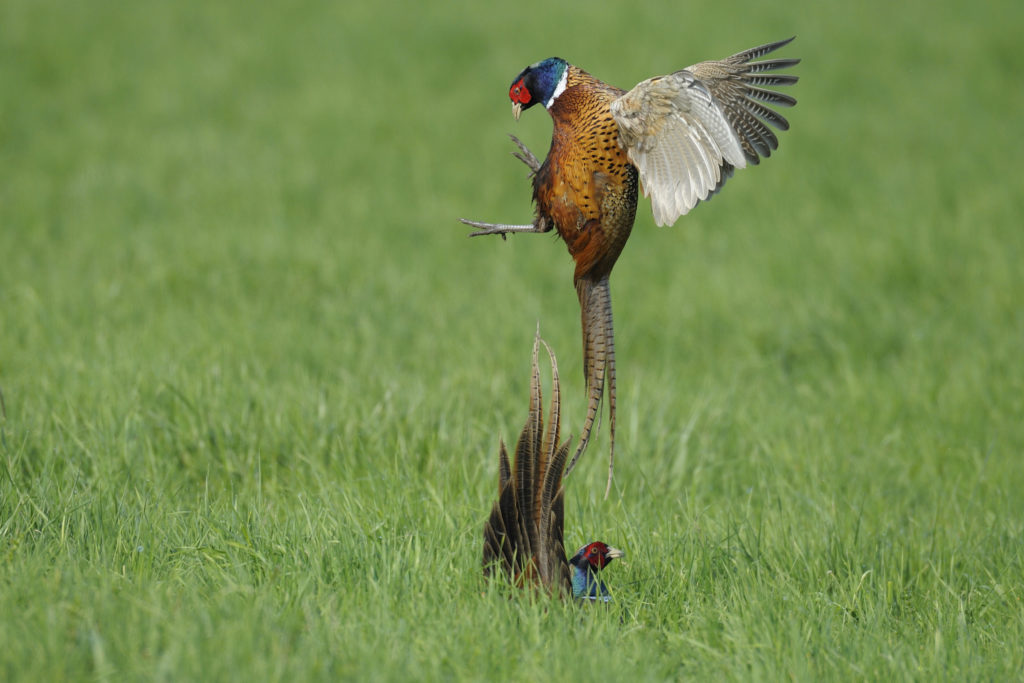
<point x="598" y="362"/>
<point x="523" y="537"/>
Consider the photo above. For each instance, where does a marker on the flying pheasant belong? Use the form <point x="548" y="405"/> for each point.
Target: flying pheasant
<point x="523" y="536"/>
<point x="679" y="137"/>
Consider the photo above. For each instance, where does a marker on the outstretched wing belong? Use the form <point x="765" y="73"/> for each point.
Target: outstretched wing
<point x="687" y="131"/>
<point x="740" y="87"/>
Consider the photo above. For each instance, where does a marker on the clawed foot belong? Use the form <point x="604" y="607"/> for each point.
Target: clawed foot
<point x="526" y="156"/>
<point x="504" y="229"/>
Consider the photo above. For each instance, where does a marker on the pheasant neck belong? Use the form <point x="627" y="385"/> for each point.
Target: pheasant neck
<point x="586" y="586"/>
<point x="559" y="88"/>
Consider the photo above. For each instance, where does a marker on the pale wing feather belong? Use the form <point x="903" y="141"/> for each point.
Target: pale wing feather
<point x="679" y="139"/>
<point x="687" y="132"/>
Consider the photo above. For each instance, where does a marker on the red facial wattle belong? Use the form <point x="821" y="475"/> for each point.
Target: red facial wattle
<point x="596" y="555"/>
<point x="519" y="93"/>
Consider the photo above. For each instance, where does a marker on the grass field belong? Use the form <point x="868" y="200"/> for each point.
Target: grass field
<point x="255" y="374"/>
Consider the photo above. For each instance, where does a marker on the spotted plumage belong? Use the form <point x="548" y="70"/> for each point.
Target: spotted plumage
<point x="679" y="137"/>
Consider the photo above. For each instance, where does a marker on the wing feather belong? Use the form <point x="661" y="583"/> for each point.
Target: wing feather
<point x="737" y="86"/>
<point x="679" y="140"/>
<point x="686" y="132"/>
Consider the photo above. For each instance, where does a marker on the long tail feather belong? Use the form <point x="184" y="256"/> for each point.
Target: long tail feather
<point x="598" y="363"/>
<point x="524" y="534"/>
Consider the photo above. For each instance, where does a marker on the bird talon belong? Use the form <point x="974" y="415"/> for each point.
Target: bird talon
<point x="503" y="229"/>
<point x="526" y="156"/>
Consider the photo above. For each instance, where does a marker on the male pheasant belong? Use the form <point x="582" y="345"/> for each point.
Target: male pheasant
<point x="679" y="136"/>
<point x="523" y="536"/>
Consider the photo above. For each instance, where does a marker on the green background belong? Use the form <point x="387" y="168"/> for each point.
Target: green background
<point x="255" y="374"/>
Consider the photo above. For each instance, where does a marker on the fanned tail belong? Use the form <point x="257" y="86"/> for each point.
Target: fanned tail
<point x="598" y="362"/>
<point x="523" y="536"/>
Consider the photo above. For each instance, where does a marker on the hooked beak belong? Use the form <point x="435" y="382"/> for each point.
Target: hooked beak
<point x="517" y="109"/>
<point x="613" y="553"/>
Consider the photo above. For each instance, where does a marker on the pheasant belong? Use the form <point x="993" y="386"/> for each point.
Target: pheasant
<point x="523" y="538"/>
<point x="679" y="137"/>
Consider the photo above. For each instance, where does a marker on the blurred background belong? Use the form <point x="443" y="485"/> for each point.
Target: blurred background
<point x="194" y="194"/>
<point x="231" y="271"/>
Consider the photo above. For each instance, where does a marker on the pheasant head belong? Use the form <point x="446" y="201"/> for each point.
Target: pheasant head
<point x="586" y="564"/>
<point x="542" y="82"/>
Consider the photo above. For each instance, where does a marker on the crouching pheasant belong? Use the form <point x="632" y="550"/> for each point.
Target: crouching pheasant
<point x="523" y="538"/>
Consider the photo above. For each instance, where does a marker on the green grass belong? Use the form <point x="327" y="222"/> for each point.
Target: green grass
<point x="255" y="375"/>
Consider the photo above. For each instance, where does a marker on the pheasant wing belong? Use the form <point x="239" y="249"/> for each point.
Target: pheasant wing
<point x="679" y="139"/>
<point x="741" y="89"/>
<point x="687" y="131"/>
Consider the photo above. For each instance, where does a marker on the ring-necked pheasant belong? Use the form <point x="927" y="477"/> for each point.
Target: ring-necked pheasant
<point x="678" y="136"/>
<point x="523" y="536"/>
